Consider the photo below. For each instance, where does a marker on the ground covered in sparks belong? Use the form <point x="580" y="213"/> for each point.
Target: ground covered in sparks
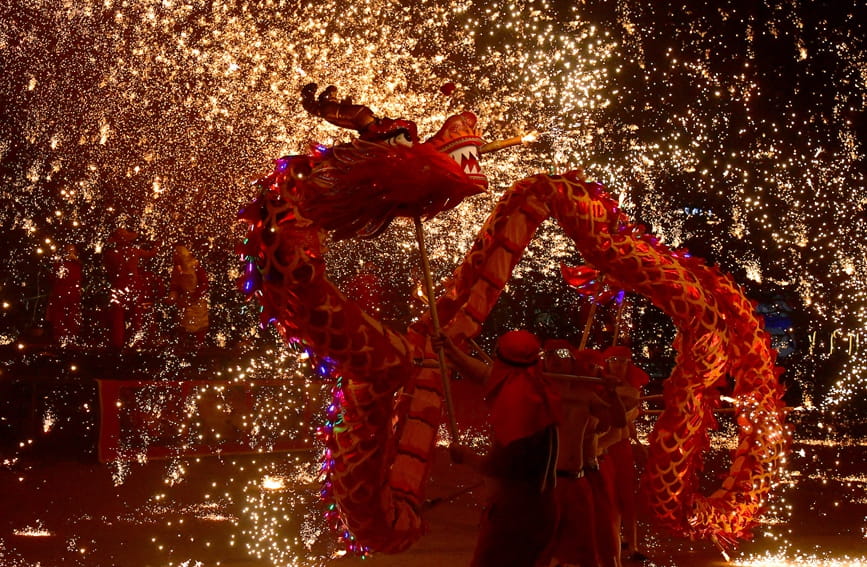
<point x="261" y="510"/>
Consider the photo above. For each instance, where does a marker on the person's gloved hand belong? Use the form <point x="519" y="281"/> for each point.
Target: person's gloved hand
<point x="441" y="341"/>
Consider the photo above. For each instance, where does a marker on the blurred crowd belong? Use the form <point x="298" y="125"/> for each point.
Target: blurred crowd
<point x="138" y="302"/>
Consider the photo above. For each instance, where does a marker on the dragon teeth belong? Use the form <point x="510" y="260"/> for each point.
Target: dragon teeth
<point x="467" y="157"/>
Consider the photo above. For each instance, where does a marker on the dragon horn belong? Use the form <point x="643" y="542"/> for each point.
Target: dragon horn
<point x="342" y="113"/>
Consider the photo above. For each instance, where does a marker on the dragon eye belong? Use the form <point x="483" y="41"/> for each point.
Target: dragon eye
<point x="400" y="138"/>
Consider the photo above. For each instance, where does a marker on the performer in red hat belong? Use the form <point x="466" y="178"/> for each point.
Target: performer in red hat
<point x="520" y="515"/>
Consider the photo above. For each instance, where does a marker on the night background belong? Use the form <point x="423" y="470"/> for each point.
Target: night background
<point x="734" y="129"/>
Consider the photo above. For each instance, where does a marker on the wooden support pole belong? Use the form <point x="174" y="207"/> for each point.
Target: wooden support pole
<point x="435" y="321"/>
<point x="589" y="323"/>
<point x="617" y="320"/>
<point x="573" y="377"/>
<point x="481" y="352"/>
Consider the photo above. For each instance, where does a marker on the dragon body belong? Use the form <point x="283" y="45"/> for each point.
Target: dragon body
<point x="381" y="446"/>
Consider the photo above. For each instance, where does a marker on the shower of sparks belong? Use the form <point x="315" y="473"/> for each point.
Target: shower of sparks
<point x="734" y="129"/>
<point x="282" y="521"/>
<point x="33" y="532"/>
<point x="744" y="119"/>
<point x="798" y="559"/>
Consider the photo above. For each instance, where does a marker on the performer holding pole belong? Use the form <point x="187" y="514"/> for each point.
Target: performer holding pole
<point x="520" y="465"/>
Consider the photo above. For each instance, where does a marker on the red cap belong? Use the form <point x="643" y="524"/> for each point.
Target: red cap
<point x="519" y="347"/>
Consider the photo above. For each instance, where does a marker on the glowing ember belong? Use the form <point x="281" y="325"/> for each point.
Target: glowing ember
<point x="273" y="483"/>
<point x="33" y="532"/>
<point x="797" y="559"/>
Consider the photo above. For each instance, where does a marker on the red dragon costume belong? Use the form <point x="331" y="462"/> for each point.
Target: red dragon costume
<point x="380" y="449"/>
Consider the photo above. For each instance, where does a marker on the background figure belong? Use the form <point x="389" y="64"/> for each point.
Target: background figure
<point x="606" y="428"/>
<point x="623" y="480"/>
<point x="63" y="311"/>
<point x="153" y="291"/>
<point x="520" y="515"/>
<point x="188" y="290"/>
<point x="575" y="542"/>
<point x="126" y="307"/>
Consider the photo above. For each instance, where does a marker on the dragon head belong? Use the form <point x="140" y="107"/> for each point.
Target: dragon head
<point x="458" y="137"/>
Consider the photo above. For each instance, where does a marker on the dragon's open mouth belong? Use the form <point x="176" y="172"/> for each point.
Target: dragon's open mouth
<point x="467" y="156"/>
<point x="460" y="139"/>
